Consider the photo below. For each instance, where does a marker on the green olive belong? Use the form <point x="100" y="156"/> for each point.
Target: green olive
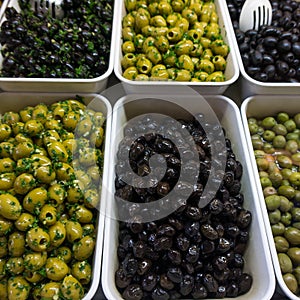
<point x="84" y="248"/>
<point x="71" y="288"/>
<point x="50" y="290"/>
<point x="290" y="125"/>
<point x="287" y="191"/>
<point x="291" y="282"/>
<point x="10" y="207"/>
<point x="294" y="254"/>
<point x="286" y="218"/>
<point x="284" y="161"/>
<point x="38" y="239"/>
<point x="285" y="263"/>
<point x="82" y="271"/>
<point x="281" y="244"/>
<point x="56" y="269"/>
<point x="273" y="202"/>
<point x="294" y="179"/>
<point x="276" y="179"/>
<point x="285" y="204"/>
<point x="279" y="129"/>
<point x="16" y="244"/>
<point x="277" y="229"/>
<point x="279" y="142"/>
<point x="15" y="265"/>
<point x="268" y="122"/>
<point x="269" y="190"/>
<point x="274" y="216"/>
<point x="57" y="233"/>
<point x="292" y="234"/>
<point x="18" y="288"/>
<point x="24" y="183"/>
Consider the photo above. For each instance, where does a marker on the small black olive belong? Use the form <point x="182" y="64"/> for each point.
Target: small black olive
<point x="133" y="292"/>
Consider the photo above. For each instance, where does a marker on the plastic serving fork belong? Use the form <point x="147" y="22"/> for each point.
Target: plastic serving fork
<point x="255" y="13"/>
<point x="51" y="7"/>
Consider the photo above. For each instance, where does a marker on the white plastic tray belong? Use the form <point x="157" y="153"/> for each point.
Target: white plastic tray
<point x="57" y="85"/>
<point x="231" y="73"/>
<point x="257" y="256"/>
<point x="17" y="101"/>
<point x="260" y="106"/>
<point x="250" y="86"/>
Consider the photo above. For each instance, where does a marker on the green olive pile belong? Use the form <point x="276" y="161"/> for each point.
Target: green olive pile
<point x="276" y="144"/>
<point x="177" y="40"/>
<point x="50" y="166"/>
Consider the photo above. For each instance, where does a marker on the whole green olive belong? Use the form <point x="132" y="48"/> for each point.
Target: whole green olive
<point x="281" y="244"/>
<point x="279" y="129"/>
<point x="290" y="125"/>
<point x="292" y="234"/>
<point x="296" y="273"/>
<point x="297" y="119"/>
<point x="287" y="191"/>
<point x="274" y="216"/>
<point x="294" y="254"/>
<point x="284" y="161"/>
<point x="282" y="117"/>
<point x="291" y="282"/>
<point x="279" y="141"/>
<point x="285" y="263"/>
<point x="286" y="218"/>
<point x="268" y="122"/>
<point x="278" y="229"/>
<point x="272" y="202"/>
<point x="294" y="179"/>
<point x="285" y="204"/>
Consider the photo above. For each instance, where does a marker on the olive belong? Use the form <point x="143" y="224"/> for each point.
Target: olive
<point x="133" y="292"/>
<point x="285" y="263"/>
<point x="291" y="282"/>
<point x="292" y="234"/>
<point x="281" y="244"/>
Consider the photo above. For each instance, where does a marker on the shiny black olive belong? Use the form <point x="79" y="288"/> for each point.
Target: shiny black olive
<point x="267" y="59"/>
<point x="284" y="45"/>
<point x="165" y="282"/>
<point x="144" y="266"/>
<point x="133" y="292"/>
<point x="296" y="48"/>
<point x="232" y="290"/>
<point x="186" y="285"/>
<point x="270" y="41"/>
<point x="244" y="283"/>
<point x="122" y="279"/>
<point x="210" y="283"/>
<point x="175" y="274"/>
<point x="256" y="58"/>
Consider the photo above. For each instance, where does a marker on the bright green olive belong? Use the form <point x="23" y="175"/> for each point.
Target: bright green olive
<point x="23" y="149"/>
<point x="25" y="221"/>
<point x="6" y="226"/>
<point x="130" y="73"/>
<point x="35" y="200"/>
<point x="11" y="117"/>
<point x="206" y="66"/>
<point x="56" y="269"/>
<point x="33" y="127"/>
<point x="57" y="233"/>
<point x="219" y="62"/>
<point x="174" y="34"/>
<point x="144" y="65"/>
<point x="128" y="47"/>
<point x="18" y="288"/>
<point x="128" y="34"/>
<point x="272" y="202"/>
<point x="212" y="31"/>
<point x="183" y="75"/>
<point x="56" y="193"/>
<point x="82" y="271"/>
<point x="177" y="5"/>
<point x="10" y="207"/>
<point x="38" y="239"/>
<point x="294" y="179"/>
<point x="162" y="44"/>
<point x="216" y="76"/>
<point x="219" y="47"/>
<point x="16" y="244"/>
<point x="84" y="248"/>
<point x="185" y="62"/>
<point x="128" y="21"/>
<point x="159" y="31"/>
<point x="153" y="55"/>
<point x="64" y="171"/>
<point x="128" y="60"/>
<point x="153" y="9"/>
<point x="71" y="288"/>
<point x="164" y="8"/>
<point x="7" y="181"/>
<point x="64" y="253"/>
<point x="15" y="265"/>
<point x="282" y="117"/>
<point x="158" y="21"/>
<point x="5" y="132"/>
<point x="7" y="165"/>
<point x="73" y="231"/>
<point x="201" y="75"/>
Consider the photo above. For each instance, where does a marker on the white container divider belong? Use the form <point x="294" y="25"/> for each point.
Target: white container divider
<point x="260" y="106"/>
<point x="257" y="256"/>
<point x="58" y="85"/>
<point x="231" y="72"/>
<point x="17" y="101"/>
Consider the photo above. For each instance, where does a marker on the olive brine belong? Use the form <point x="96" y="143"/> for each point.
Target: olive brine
<point x="49" y="178"/>
<point x="36" y="45"/>
<point x="193" y="252"/>
<point x="276" y="144"/>
<point x="271" y="53"/>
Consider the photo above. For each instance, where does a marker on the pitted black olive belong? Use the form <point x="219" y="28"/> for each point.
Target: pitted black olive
<point x="149" y="282"/>
<point x="133" y="292"/>
<point x="122" y="278"/>
<point x="175" y="274"/>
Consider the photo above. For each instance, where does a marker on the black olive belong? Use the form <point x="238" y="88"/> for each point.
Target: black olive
<point x="159" y="294"/>
<point x="144" y="266"/>
<point x="199" y="291"/>
<point x="122" y="279"/>
<point x="175" y="274"/>
<point x="232" y="290"/>
<point x="210" y="283"/>
<point x="296" y="48"/>
<point x="256" y="58"/>
<point x="284" y="45"/>
<point x="270" y="41"/>
<point x="186" y="285"/>
<point x="244" y="283"/>
<point x="165" y="282"/>
<point x="149" y="282"/>
<point x="267" y="59"/>
<point x="133" y="292"/>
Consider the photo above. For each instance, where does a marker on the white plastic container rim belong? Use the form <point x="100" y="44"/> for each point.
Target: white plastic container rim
<point x="257" y="106"/>
<point x="257" y="256"/>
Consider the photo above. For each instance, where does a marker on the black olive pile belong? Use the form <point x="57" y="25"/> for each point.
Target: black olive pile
<point x="36" y="45"/>
<point x="271" y="54"/>
<point x="193" y="252"/>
